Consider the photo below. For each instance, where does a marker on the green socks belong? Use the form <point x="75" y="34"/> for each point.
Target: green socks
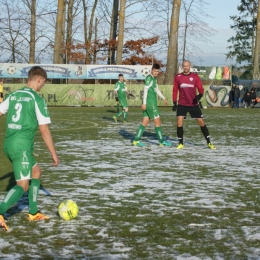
<point x="11" y="198"/>
<point x="117" y="107"/>
<point x="119" y="114"/>
<point x="139" y="132"/>
<point x="33" y="195"/>
<point x="125" y="116"/>
<point x="158" y="131"/>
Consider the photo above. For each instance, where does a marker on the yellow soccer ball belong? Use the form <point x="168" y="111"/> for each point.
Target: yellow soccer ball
<point x="68" y="209"/>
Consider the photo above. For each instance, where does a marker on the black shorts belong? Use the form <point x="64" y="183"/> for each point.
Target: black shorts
<point x="194" y="111"/>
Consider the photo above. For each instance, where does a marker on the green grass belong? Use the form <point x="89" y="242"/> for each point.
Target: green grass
<point x="142" y="203"/>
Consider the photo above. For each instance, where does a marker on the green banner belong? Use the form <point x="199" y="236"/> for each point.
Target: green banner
<point x="90" y="95"/>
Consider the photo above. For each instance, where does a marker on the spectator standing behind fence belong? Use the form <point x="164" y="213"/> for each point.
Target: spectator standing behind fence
<point x="246" y="99"/>
<point x="236" y="95"/>
<point x="231" y="97"/>
<point x="252" y="97"/>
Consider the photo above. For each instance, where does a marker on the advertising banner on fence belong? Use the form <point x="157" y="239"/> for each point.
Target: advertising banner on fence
<point x="89" y="95"/>
<point x="212" y="73"/>
<point x="103" y="95"/>
<point x="76" y="71"/>
<point x="82" y="71"/>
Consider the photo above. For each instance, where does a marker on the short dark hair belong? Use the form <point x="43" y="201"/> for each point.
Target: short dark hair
<point x="37" y="71"/>
<point x="156" y="66"/>
<point x="120" y="75"/>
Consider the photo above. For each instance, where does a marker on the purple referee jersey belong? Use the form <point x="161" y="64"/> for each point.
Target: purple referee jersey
<point x="186" y="85"/>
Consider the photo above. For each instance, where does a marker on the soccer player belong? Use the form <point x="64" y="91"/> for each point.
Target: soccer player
<point x="150" y="108"/>
<point x="186" y="83"/>
<point x="120" y="92"/>
<point x="1" y="92"/>
<point x="27" y="111"/>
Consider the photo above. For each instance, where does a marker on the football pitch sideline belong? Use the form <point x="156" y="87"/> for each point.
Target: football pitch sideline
<point x="147" y="202"/>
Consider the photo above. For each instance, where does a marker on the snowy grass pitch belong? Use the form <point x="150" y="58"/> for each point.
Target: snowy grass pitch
<point x="142" y="203"/>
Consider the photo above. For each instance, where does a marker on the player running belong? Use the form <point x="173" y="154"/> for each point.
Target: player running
<point x="150" y="108"/>
<point x="120" y="92"/>
<point x="27" y="111"/>
<point x="186" y="84"/>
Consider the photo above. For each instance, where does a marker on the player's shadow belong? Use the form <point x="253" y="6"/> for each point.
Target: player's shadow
<point x="110" y="119"/>
<point x="149" y="137"/>
<point x="111" y="111"/>
<point x="126" y="134"/>
<point x="11" y="181"/>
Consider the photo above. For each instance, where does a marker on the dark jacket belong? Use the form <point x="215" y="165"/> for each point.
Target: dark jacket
<point x="247" y="97"/>
<point x="236" y="92"/>
<point x="252" y="95"/>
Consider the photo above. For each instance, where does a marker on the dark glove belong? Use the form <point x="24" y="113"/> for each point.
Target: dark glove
<point x="117" y="99"/>
<point x="174" y="107"/>
<point x="198" y="97"/>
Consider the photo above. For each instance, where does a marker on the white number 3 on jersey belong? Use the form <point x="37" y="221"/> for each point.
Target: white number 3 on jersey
<point x="18" y="108"/>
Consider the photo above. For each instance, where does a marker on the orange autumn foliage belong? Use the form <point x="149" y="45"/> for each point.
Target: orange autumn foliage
<point x="133" y="51"/>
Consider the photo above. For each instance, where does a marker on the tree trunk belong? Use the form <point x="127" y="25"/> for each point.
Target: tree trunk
<point x="90" y="32"/>
<point x="95" y="53"/>
<point x="113" y="31"/>
<point x="85" y="26"/>
<point x="32" y="32"/>
<point x="253" y="34"/>
<point x="58" y="32"/>
<point x="184" y="43"/>
<point x="172" y="55"/>
<point x="69" y="31"/>
<point x="121" y="32"/>
<point x="257" y="46"/>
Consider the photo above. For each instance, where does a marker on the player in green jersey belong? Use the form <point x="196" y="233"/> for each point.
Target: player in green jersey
<point x="121" y="92"/>
<point x="27" y="112"/>
<point x="150" y="108"/>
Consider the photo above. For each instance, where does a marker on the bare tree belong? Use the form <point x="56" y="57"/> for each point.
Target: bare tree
<point x="32" y="8"/>
<point x="58" y="32"/>
<point x="113" y="30"/>
<point x="121" y="32"/>
<point x="13" y="27"/>
<point x="193" y="29"/>
<point x="256" y="74"/>
<point x="69" y="29"/>
<point x="172" y="56"/>
<point x="88" y="30"/>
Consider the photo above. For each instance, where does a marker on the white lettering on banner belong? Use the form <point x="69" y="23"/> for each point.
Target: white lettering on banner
<point x="14" y="126"/>
<point x="112" y="69"/>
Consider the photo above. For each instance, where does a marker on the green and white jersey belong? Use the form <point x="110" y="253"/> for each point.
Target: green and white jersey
<point x="26" y="111"/>
<point x="121" y="89"/>
<point x="151" y="87"/>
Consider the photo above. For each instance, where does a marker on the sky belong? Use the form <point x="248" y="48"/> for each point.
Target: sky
<point x="214" y="51"/>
